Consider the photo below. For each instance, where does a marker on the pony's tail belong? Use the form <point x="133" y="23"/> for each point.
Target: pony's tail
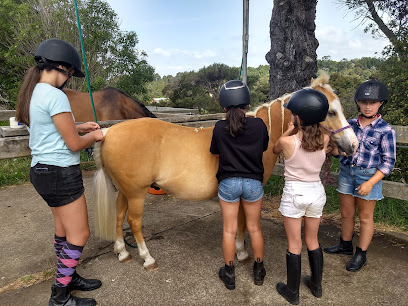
<point x="104" y="194"/>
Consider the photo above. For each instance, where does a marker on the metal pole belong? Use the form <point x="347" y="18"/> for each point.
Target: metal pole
<point x="245" y="38"/>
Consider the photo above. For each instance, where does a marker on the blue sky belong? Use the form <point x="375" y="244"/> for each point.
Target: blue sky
<point x="186" y="35"/>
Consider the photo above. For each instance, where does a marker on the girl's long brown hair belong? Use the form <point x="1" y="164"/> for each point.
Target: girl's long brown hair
<point x="313" y="138"/>
<point x="235" y="118"/>
<point x="31" y="79"/>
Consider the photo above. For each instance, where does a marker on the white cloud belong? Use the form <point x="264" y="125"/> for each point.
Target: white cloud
<point x="355" y="44"/>
<point x="339" y="44"/>
<point x="160" y="51"/>
<point x="332" y="35"/>
<point x="204" y="54"/>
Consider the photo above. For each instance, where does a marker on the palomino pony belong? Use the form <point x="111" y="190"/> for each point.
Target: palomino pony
<point x="178" y="160"/>
<point x="110" y="104"/>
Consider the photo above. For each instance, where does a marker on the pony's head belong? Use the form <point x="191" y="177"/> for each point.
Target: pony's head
<point x="341" y="133"/>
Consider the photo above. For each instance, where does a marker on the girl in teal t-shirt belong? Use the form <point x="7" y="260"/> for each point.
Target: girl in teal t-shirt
<point x="55" y="174"/>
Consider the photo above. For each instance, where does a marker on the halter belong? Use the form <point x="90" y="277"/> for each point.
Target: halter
<point x="335" y="131"/>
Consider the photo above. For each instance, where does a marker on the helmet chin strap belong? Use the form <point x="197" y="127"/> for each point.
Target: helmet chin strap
<point x="67" y="73"/>
<point x="370" y="117"/>
<point x="63" y="84"/>
<point x="44" y="63"/>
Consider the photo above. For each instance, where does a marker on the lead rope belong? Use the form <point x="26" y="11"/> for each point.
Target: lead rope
<point x="85" y="63"/>
<point x="328" y="160"/>
<point x="326" y="170"/>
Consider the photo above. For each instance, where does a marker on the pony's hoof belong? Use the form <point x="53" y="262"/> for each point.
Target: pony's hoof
<point x="242" y="256"/>
<point x="152" y="267"/>
<point x="126" y="259"/>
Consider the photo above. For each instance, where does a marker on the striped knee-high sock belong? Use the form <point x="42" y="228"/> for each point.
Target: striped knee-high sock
<point x="59" y="243"/>
<point x="67" y="262"/>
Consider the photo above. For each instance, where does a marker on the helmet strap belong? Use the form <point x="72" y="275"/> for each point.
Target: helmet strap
<point x="63" y="84"/>
<point x="241" y="106"/>
<point x="371" y="117"/>
<point x="43" y="63"/>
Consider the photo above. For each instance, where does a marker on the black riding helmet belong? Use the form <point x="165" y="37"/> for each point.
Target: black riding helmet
<point x="58" y="50"/>
<point x="234" y="93"/>
<point x="309" y="104"/>
<point x="372" y="90"/>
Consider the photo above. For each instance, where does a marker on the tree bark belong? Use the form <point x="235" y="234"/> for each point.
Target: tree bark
<point x="292" y="57"/>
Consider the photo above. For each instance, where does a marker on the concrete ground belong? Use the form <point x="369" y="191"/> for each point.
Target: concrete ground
<point x="186" y="243"/>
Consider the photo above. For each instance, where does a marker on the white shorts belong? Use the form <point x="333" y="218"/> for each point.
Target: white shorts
<point x="302" y="199"/>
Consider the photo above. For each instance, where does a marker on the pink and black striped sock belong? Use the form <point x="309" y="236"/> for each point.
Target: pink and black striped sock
<point x="67" y="262"/>
<point x="59" y="243"/>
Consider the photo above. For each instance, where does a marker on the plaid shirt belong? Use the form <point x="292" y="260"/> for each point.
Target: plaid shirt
<point x="377" y="142"/>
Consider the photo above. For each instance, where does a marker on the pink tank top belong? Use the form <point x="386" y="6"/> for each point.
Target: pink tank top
<point x="303" y="165"/>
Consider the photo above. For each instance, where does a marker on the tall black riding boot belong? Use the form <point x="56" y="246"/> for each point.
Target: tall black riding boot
<point x="227" y="275"/>
<point x="259" y="272"/>
<point x="291" y="291"/>
<point x="344" y="247"/>
<point x="60" y="296"/>
<point x="358" y="261"/>
<point x="314" y="282"/>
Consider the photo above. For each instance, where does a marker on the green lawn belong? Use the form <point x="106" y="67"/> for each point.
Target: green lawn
<point x="15" y="171"/>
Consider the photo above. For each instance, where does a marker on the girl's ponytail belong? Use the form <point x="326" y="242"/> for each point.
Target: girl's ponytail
<point x="235" y="118"/>
<point x="313" y="138"/>
<point x="31" y="79"/>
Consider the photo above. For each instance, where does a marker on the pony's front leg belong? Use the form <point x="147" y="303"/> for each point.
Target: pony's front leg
<point x="242" y="254"/>
<point x="119" y="248"/>
<point x="135" y="214"/>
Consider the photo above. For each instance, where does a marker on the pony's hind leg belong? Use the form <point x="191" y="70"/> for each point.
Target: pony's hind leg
<point x="135" y="214"/>
<point x="119" y="248"/>
<point x="242" y="254"/>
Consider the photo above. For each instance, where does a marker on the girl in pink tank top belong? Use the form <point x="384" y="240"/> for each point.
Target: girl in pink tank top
<point x="304" y="146"/>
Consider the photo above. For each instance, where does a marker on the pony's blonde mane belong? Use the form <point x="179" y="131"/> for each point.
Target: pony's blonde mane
<point x="321" y="81"/>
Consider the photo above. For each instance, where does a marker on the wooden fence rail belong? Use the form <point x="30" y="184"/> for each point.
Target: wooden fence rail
<point x="14" y="143"/>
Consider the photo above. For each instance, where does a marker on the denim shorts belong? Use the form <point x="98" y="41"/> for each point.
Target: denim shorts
<point x="350" y="177"/>
<point x="302" y="199"/>
<point x="58" y="186"/>
<point x="232" y="189"/>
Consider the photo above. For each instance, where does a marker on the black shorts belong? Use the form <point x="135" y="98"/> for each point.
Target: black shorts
<point x="58" y="186"/>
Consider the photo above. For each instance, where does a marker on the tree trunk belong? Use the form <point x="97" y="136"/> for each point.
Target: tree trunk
<point x="380" y="23"/>
<point x="292" y="58"/>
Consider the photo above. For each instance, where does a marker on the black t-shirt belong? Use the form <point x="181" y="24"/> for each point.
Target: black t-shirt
<point x="240" y="156"/>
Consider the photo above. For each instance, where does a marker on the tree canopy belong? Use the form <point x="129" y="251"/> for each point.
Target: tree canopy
<point x="112" y="55"/>
<point x="387" y="17"/>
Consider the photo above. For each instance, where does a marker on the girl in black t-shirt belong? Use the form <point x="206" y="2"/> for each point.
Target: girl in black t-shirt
<point x="240" y="142"/>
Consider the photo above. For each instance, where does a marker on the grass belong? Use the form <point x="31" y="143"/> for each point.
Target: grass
<point x="15" y="171"/>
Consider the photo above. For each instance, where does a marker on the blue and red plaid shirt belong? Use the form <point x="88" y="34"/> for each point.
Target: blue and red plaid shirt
<point x="377" y="142"/>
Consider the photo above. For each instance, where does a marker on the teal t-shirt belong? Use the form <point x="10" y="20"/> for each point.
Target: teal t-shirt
<point x="46" y="144"/>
